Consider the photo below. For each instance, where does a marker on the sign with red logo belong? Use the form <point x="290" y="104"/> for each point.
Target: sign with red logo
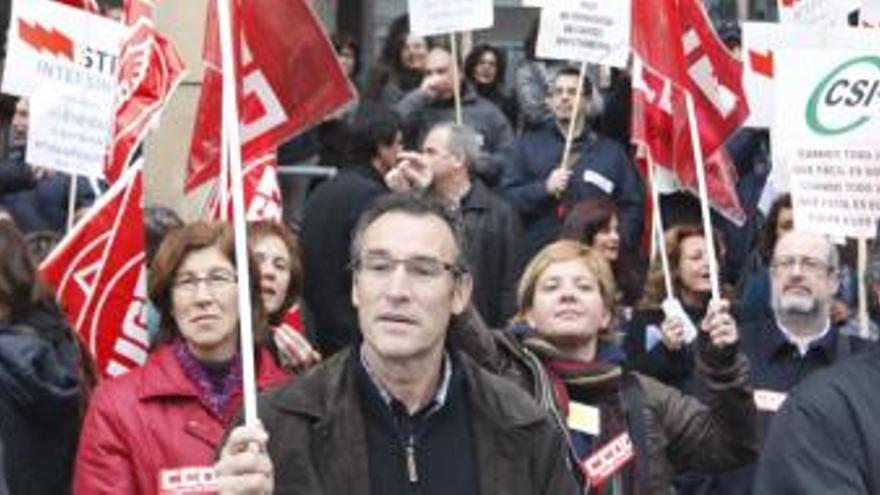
<point x="64" y="59"/>
<point x="609" y="459"/>
<point x="193" y="480"/>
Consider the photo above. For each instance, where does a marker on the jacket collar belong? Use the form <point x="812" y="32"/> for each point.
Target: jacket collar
<point x="320" y="392"/>
<point x="162" y="375"/>
<point x="776" y="343"/>
<point x="367" y="171"/>
<point x="477" y="198"/>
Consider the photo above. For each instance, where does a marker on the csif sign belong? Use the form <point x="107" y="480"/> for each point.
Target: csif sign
<point x="846" y="98"/>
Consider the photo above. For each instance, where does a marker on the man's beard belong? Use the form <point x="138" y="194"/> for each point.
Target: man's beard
<point x="796" y="306"/>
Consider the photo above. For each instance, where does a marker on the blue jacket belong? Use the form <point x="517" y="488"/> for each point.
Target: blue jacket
<point x="603" y="170"/>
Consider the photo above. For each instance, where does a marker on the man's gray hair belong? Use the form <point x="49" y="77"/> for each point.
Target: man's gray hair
<point x="463" y="142"/>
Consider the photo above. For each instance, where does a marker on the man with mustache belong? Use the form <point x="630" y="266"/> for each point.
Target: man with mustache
<point x="799" y="339"/>
<point x="405" y="411"/>
<point x="826" y="438"/>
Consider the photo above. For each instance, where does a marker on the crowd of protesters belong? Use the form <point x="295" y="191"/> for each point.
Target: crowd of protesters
<point x="458" y="312"/>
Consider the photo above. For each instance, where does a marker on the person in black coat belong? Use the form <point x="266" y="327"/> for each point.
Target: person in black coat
<point x="330" y="216"/>
<point x="44" y="377"/>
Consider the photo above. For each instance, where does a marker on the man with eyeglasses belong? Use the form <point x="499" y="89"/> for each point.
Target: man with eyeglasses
<point x="403" y="412"/>
<point x="542" y="188"/>
<point x="799" y="339"/>
<point x="826" y="439"/>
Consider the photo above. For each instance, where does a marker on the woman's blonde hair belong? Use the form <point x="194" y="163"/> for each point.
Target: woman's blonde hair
<point x="557" y="252"/>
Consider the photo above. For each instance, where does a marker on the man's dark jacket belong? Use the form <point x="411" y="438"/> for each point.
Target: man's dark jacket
<point x="328" y="223"/>
<point x="492" y="235"/>
<point x="826" y="438"/>
<point x="602" y="170"/>
<point x="318" y="446"/>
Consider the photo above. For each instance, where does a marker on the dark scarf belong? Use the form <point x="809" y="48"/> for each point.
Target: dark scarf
<point x="597" y="384"/>
<point x="215" y="385"/>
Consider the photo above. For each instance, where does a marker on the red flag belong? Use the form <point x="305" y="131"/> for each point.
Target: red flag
<point x="150" y="70"/>
<point x="262" y="195"/>
<point x="287" y="83"/>
<point x="87" y="5"/>
<point x="99" y="275"/>
<point x="679" y="54"/>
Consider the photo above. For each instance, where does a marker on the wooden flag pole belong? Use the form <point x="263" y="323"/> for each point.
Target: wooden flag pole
<point x="456" y="86"/>
<point x="230" y="123"/>
<point x="71" y="201"/>
<point x="864" y="321"/>
<point x="569" y="135"/>
<point x="704" y="197"/>
<point x="659" y="231"/>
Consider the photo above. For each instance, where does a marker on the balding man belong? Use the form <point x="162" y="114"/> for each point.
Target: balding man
<point x="433" y="102"/>
<point x="799" y="339"/>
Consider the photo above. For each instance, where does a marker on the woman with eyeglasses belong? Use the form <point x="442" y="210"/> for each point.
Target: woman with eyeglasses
<point x="279" y="257"/>
<point x="157" y="428"/>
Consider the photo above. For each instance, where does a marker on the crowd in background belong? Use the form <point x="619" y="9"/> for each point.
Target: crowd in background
<point x="537" y="237"/>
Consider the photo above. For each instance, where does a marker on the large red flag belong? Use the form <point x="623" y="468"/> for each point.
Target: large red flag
<point x="99" y="276"/>
<point x="89" y="5"/>
<point x="262" y="195"/>
<point x="150" y="70"/>
<point x="678" y="54"/>
<point x="289" y="79"/>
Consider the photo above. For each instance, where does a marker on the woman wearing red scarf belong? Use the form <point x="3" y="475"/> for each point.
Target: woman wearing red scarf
<point x="629" y="432"/>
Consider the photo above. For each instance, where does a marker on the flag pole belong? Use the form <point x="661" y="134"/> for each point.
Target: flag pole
<point x="456" y="86"/>
<point x="230" y="123"/>
<point x="659" y="230"/>
<point x="71" y="201"/>
<point x="569" y="135"/>
<point x="864" y="322"/>
<point x="699" y="165"/>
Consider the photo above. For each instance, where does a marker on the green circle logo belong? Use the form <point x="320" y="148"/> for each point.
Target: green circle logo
<point x="812" y="111"/>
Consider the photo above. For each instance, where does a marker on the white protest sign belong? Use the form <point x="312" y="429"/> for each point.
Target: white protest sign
<point x="64" y="60"/>
<point x="825" y="129"/>
<point x="760" y="42"/>
<point x="869" y="16"/>
<point x="586" y="30"/>
<point x="430" y="17"/>
<point x="816" y="12"/>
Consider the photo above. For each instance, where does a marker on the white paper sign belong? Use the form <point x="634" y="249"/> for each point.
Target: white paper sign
<point x="825" y="133"/>
<point x="430" y="17"/>
<point x="816" y="12"/>
<point x="64" y="60"/>
<point x="760" y="42"/>
<point x="869" y="16"/>
<point x="595" y="31"/>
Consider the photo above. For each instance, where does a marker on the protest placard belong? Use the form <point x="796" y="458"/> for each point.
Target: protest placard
<point x="869" y="16"/>
<point x="825" y="127"/>
<point x="586" y="30"/>
<point x="760" y="42"/>
<point x="816" y="12"/>
<point x="431" y="17"/>
<point x="64" y="60"/>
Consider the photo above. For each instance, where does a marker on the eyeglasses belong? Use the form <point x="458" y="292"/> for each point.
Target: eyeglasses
<point x="420" y="268"/>
<point x="786" y="264"/>
<point x="215" y="281"/>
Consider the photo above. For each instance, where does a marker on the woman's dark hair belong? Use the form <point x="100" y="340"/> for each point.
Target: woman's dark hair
<point x="588" y="218"/>
<point x="398" y="32"/>
<point x="179" y="244"/>
<point x="268" y="228"/>
<point x="21" y="288"/>
<point x="473" y="58"/>
<point x="343" y="40"/>
<point x="767" y="241"/>
<point x="158" y="221"/>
